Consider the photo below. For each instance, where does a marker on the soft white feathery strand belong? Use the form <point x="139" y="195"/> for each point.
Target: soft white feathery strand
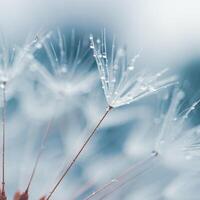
<point x="177" y="143"/>
<point x="122" y="82"/>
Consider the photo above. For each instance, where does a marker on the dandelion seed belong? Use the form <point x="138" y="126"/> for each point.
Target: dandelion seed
<point x="3" y="114"/>
<point x="70" y="165"/>
<point x="176" y="143"/>
<point x="41" y="149"/>
<point x="70" y="72"/>
<point x="118" y="86"/>
<point x="130" y="175"/>
<point x="122" y="83"/>
<point x="12" y="62"/>
<point x="14" y="58"/>
<point x="65" y="78"/>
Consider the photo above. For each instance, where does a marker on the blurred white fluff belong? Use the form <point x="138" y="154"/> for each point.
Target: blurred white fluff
<point x="177" y="143"/>
<point x="69" y="71"/>
<point x="15" y="58"/>
<point x="132" y="174"/>
<point x="184" y="187"/>
<point x="122" y="82"/>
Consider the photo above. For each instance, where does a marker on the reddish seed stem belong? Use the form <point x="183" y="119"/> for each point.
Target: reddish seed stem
<point x="79" y="152"/>
<point x="24" y="196"/>
<point x="3" y="85"/>
<point x="122" y="179"/>
<point x="40" y="153"/>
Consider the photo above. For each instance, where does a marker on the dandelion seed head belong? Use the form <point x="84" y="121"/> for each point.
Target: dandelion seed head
<point x="14" y="58"/>
<point x="122" y="81"/>
<point x="178" y="144"/>
<point x="69" y="71"/>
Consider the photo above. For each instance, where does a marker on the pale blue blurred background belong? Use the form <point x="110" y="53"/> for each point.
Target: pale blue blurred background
<point x="167" y="32"/>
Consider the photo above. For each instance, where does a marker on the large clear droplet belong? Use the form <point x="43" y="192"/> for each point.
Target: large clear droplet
<point x="130" y="68"/>
<point x="38" y="45"/>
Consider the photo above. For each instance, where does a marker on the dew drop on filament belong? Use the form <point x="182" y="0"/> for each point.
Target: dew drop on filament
<point x="38" y="46"/>
<point x="91" y="46"/>
<point x="91" y="37"/>
<point x="98" y="41"/>
<point x="130" y="68"/>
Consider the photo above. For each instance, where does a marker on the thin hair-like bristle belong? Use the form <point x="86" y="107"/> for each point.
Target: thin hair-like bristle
<point x="41" y="149"/>
<point x="79" y="152"/>
<point x="123" y="179"/>
<point x="122" y="81"/>
<point x="3" y="87"/>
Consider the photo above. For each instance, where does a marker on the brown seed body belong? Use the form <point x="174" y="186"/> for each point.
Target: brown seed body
<point x="23" y="196"/>
<point x="3" y="197"/>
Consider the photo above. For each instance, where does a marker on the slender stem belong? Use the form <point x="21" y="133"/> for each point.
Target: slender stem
<point x="3" y="86"/>
<point x="133" y="172"/>
<point x="79" y="152"/>
<point x="40" y="152"/>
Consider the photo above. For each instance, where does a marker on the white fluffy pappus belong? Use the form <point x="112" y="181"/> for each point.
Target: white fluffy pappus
<point x="177" y="143"/>
<point x="122" y="81"/>
<point x="70" y="62"/>
<point x="14" y="58"/>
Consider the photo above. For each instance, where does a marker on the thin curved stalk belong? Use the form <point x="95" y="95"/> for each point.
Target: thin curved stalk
<point x="133" y="172"/>
<point x="40" y="152"/>
<point x="79" y="152"/>
<point x="3" y="86"/>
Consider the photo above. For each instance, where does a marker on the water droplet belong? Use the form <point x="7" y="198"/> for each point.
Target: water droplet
<point x="131" y="68"/>
<point x="36" y="39"/>
<point x="154" y="153"/>
<point x="98" y="41"/>
<point x="143" y="87"/>
<point x="185" y="116"/>
<point x="38" y="45"/>
<point x="114" y="180"/>
<point x="2" y="85"/>
<point x="91" y="46"/>
<point x="158" y="74"/>
<point x="151" y="88"/>
<point x="48" y="35"/>
<point x="63" y="69"/>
